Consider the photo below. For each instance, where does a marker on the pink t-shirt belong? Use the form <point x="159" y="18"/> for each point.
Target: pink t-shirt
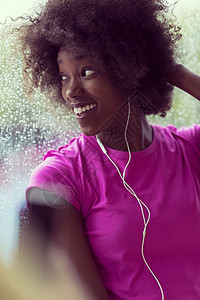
<point x="166" y="177"/>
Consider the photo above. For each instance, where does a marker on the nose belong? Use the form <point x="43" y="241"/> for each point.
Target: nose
<point x="74" y="89"/>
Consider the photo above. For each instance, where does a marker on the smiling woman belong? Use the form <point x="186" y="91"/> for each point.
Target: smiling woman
<point x="114" y="200"/>
<point x="112" y="70"/>
<point x="89" y="92"/>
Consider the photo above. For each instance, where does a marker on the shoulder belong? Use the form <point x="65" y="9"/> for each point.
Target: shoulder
<point x="62" y="171"/>
<point x="58" y="174"/>
<point x="71" y="150"/>
<point x="191" y="133"/>
<point x="58" y="163"/>
<point x="68" y="156"/>
<point x="184" y="141"/>
<point x="77" y="147"/>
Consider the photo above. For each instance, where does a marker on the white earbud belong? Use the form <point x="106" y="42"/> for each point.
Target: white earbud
<point x="101" y="145"/>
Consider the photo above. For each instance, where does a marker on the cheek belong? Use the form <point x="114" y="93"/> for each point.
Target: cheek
<point x="64" y="93"/>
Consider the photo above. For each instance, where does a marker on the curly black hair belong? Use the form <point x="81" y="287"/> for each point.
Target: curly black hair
<point x="132" y="38"/>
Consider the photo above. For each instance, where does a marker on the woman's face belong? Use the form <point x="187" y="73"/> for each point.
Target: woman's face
<point x="89" y="93"/>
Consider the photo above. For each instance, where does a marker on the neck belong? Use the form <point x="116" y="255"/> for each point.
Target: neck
<point x="139" y="134"/>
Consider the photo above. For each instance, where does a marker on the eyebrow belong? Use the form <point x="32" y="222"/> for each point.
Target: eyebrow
<point x="79" y="57"/>
<point x="76" y="58"/>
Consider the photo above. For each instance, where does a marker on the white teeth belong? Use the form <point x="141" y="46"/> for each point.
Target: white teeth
<point x="79" y="110"/>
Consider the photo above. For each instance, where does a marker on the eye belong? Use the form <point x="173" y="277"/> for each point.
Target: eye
<point x="87" y="72"/>
<point x="64" y="77"/>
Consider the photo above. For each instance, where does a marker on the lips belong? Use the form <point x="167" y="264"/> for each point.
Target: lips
<point x="82" y="108"/>
<point x="82" y="111"/>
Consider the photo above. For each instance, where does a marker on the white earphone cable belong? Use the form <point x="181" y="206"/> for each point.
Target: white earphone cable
<point x="131" y="191"/>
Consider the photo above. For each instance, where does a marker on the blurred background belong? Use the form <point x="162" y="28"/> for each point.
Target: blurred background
<point x="29" y="128"/>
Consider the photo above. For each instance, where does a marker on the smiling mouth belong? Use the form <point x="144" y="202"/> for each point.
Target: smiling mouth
<point x="82" y="111"/>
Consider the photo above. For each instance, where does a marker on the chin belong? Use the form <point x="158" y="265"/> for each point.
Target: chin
<point x="90" y="131"/>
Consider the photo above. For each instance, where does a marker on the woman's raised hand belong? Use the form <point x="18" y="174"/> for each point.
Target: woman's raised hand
<point x="186" y="80"/>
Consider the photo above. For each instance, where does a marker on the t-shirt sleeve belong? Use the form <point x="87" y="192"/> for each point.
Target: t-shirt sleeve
<point x="57" y="175"/>
<point x="191" y="133"/>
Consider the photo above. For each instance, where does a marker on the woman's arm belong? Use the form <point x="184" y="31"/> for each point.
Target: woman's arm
<point x="186" y="80"/>
<point x="61" y="233"/>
